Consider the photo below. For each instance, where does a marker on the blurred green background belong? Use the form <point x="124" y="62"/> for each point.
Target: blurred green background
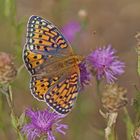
<point x="107" y="22"/>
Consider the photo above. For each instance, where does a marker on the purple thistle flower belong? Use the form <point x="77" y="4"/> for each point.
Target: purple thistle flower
<point x="84" y="74"/>
<point x="106" y="64"/>
<point x="71" y="29"/>
<point x="41" y="124"/>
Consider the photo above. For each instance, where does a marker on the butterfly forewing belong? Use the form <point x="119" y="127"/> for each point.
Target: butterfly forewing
<point x="44" y="42"/>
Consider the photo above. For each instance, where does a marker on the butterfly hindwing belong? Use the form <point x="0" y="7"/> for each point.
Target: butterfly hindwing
<point x="44" y="42"/>
<point x="40" y="85"/>
<point x="62" y="96"/>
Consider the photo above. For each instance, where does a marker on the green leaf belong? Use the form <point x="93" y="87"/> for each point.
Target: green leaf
<point x="136" y="105"/>
<point x="14" y="120"/>
<point x="21" y="137"/>
<point x="10" y="93"/>
<point x="21" y="119"/>
<point x="129" y="125"/>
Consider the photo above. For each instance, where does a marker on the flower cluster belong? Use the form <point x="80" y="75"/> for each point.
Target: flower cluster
<point x="42" y="124"/>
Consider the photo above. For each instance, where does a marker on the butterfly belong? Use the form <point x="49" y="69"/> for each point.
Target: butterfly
<point x="54" y="68"/>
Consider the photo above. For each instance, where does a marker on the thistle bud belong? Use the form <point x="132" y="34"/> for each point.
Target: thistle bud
<point x="7" y="68"/>
<point x="136" y="135"/>
<point x="114" y="97"/>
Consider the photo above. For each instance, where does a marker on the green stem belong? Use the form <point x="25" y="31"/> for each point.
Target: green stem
<point x="9" y="102"/>
<point x="98" y="87"/>
<point x="20" y="69"/>
<point x="2" y="116"/>
<point x="113" y="133"/>
<point x="129" y="124"/>
<point x="110" y="131"/>
<point x="98" y="82"/>
<point x="14" y="118"/>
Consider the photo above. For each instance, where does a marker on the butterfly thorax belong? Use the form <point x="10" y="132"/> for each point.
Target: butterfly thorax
<point x="70" y="61"/>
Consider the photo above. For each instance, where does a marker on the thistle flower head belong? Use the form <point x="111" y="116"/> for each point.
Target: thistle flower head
<point x="71" y="29"/>
<point x="42" y="124"/>
<point x="7" y="68"/>
<point x="106" y="64"/>
<point x="114" y="97"/>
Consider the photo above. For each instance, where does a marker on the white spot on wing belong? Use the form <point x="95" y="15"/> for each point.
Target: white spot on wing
<point x="33" y="71"/>
<point x="57" y="107"/>
<point x="31" y="47"/>
<point x="37" y="22"/>
<point x="47" y="96"/>
<point x="50" y="26"/>
<point x="31" y="35"/>
<point x="31" y="29"/>
<point x="50" y="101"/>
<point x="43" y="23"/>
<point x="30" y="40"/>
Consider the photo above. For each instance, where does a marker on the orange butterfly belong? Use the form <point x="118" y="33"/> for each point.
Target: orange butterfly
<point x="55" y="74"/>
